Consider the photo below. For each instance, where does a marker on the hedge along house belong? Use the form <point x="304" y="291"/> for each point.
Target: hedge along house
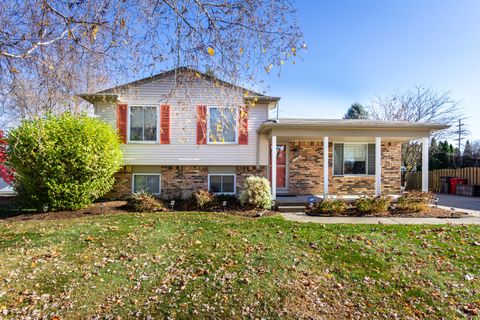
<point x="183" y="130"/>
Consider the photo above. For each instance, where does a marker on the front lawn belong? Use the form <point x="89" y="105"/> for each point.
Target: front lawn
<point x="199" y="265"/>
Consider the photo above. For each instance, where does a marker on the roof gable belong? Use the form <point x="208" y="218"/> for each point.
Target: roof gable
<point x="179" y="71"/>
<point x="111" y="94"/>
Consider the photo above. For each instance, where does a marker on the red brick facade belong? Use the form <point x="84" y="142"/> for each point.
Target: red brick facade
<point x="306" y="171"/>
<point x="305" y="175"/>
<point x="178" y="182"/>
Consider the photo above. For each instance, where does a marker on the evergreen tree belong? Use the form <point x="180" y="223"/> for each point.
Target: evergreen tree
<point x="445" y="155"/>
<point x="433" y="156"/>
<point x="467" y="157"/>
<point x="356" y="111"/>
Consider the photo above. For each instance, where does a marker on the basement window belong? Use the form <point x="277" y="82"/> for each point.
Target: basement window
<point x="147" y="182"/>
<point x="222" y="183"/>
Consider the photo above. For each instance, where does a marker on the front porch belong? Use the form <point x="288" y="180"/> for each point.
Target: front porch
<point x="347" y="158"/>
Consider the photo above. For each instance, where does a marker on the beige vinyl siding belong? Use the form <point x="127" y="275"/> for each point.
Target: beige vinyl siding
<point x="107" y="112"/>
<point x="183" y="149"/>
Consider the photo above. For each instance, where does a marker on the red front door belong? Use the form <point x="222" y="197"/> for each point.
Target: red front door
<point x="281" y="166"/>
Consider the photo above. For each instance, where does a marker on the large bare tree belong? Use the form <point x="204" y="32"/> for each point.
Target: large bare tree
<point x="420" y="104"/>
<point x="51" y="50"/>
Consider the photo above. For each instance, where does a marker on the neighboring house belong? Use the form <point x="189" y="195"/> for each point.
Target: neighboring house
<point x="183" y="130"/>
<point x="6" y="189"/>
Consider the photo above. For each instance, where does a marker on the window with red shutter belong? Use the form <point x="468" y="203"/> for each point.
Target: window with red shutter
<point x="165" y="124"/>
<point x="201" y="124"/>
<point x="122" y="114"/>
<point x="243" y="126"/>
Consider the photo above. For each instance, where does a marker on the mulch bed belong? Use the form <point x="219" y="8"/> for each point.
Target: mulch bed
<point x="431" y="212"/>
<point x="111" y="207"/>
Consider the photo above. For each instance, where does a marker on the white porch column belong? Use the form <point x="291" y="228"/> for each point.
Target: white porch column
<point x="378" y="166"/>
<point x="425" y="164"/>
<point x="325" y="167"/>
<point x="274" y="167"/>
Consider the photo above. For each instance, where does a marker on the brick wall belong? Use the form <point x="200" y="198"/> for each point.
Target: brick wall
<point x="306" y="171"/>
<point x="178" y="182"/>
<point x="305" y="175"/>
<point x="122" y="186"/>
<point x="244" y="172"/>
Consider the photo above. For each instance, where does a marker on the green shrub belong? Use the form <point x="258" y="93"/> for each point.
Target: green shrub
<point x="256" y="193"/>
<point x="415" y="201"/>
<point x="204" y="200"/>
<point x="64" y="162"/>
<point x="365" y="205"/>
<point x="329" y="206"/>
<point x="145" y="202"/>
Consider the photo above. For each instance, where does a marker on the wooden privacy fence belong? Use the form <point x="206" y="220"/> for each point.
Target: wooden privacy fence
<point x="471" y="174"/>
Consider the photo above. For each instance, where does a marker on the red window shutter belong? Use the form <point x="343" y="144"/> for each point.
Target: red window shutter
<point x="122" y="114"/>
<point x="243" y="126"/>
<point x="165" y="124"/>
<point x="201" y="124"/>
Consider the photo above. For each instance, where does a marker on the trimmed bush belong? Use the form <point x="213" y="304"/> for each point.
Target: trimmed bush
<point x="329" y="206"/>
<point x="204" y="200"/>
<point x="366" y="205"/>
<point x="256" y="193"/>
<point x="64" y="162"/>
<point x="145" y="202"/>
<point x="414" y="201"/>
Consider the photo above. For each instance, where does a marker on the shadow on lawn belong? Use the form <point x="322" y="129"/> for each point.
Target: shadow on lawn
<point x="12" y="210"/>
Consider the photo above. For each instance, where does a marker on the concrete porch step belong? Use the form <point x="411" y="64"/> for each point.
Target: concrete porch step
<point x="291" y="208"/>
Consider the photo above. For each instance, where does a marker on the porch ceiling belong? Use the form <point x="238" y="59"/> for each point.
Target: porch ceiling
<point x="351" y="130"/>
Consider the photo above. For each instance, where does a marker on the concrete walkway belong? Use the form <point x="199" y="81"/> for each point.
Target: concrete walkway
<point x="302" y="217"/>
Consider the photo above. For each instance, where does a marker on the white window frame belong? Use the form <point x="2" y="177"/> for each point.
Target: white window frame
<point x="223" y="175"/>
<point x="148" y="174"/>
<point x="351" y="174"/>
<point x="236" y="125"/>
<point x="158" y="123"/>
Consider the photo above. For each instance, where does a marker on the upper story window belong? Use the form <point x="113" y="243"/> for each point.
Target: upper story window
<point x="222" y="125"/>
<point x="353" y="159"/>
<point x="143" y="123"/>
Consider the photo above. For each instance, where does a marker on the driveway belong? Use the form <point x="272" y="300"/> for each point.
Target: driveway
<point x="469" y="204"/>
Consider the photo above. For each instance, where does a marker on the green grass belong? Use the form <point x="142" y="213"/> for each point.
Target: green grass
<point x="199" y="265"/>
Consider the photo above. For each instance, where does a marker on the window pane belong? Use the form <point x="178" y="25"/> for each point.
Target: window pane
<point x="223" y="125"/>
<point x="371" y="158"/>
<point x="228" y="184"/>
<point x="139" y="183"/>
<point x="136" y="123"/>
<point x="153" y="184"/>
<point x="215" y="183"/>
<point x="355" y="156"/>
<point x="150" y="124"/>
<point x="148" y="183"/>
<point x="338" y="159"/>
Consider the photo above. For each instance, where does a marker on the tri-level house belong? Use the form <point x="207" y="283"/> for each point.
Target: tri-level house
<point x="183" y="130"/>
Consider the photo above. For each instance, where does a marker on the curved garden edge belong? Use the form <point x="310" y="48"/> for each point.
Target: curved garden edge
<point x="107" y="208"/>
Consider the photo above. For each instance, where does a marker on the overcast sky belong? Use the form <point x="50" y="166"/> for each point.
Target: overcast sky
<point x="360" y="49"/>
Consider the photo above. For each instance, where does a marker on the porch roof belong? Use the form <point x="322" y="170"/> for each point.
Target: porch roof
<point x="289" y="127"/>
